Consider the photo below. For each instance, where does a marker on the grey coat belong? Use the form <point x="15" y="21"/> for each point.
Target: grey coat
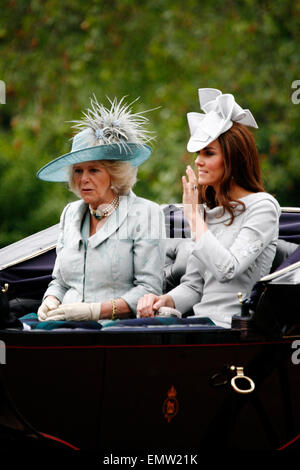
<point x="228" y="259"/>
<point x="125" y="258"/>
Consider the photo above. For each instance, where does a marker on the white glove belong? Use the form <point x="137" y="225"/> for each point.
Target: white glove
<point x="168" y="312"/>
<point x="50" y="303"/>
<point x="76" y="312"/>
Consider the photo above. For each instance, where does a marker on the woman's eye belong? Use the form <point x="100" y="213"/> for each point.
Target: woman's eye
<point x="207" y="153"/>
<point x="77" y="170"/>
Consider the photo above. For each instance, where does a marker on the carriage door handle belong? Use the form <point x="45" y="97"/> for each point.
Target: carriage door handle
<point x="241" y="376"/>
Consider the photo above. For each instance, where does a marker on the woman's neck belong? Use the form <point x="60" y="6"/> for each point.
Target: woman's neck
<point x="237" y="192"/>
<point x="108" y="199"/>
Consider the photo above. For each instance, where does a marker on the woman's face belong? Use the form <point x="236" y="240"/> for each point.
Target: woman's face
<point x="93" y="182"/>
<point x="210" y="165"/>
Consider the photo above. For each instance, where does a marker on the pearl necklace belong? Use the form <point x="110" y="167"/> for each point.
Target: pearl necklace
<point x="100" y="213"/>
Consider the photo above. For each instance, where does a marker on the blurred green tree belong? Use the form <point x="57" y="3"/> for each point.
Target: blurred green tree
<point x="54" y="56"/>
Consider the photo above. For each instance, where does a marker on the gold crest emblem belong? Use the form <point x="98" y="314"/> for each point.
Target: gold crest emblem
<point x="170" y="405"/>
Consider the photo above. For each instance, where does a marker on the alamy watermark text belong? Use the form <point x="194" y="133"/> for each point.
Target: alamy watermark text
<point x="2" y="352"/>
<point x="296" y="93"/>
<point x="2" y="92"/>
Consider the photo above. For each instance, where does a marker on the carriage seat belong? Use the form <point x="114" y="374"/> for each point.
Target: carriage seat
<point x="283" y="251"/>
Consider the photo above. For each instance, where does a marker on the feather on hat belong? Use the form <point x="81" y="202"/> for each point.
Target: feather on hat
<point x="113" y="133"/>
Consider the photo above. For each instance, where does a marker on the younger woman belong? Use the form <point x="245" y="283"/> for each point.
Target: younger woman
<point x="236" y="228"/>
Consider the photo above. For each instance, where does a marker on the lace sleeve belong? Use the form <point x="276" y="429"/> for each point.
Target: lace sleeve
<point x="259" y="228"/>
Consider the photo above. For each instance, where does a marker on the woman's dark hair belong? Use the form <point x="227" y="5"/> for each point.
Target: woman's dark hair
<point x="241" y="163"/>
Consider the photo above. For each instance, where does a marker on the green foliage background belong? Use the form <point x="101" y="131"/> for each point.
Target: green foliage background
<point x="54" y="55"/>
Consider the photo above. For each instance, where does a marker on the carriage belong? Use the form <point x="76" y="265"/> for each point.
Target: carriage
<point x="153" y="387"/>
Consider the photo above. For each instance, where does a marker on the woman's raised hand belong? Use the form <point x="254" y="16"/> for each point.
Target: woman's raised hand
<point x="193" y="211"/>
<point x="190" y="186"/>
<point x="190" y="196"/>
<point x="150" y="304"/>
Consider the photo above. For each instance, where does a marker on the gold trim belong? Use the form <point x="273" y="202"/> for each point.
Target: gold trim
<point x="5" y="288"/>
<point x="170" y="405"/>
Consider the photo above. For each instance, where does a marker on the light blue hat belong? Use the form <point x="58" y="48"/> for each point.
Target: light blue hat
<point x="104" y="134"/>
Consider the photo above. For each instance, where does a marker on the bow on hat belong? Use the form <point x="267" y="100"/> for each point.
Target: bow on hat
<point x="220" y="111"/>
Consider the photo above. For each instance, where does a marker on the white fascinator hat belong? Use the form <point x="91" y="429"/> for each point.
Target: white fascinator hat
<point x="219" y="113"/>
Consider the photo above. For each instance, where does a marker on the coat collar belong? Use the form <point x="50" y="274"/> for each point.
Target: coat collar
<point x="218" y="216"/>
<point x="114" y="221"/>
<point x="77" y="218"/>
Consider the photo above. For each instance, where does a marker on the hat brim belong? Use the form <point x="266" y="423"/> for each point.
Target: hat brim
<point x="58" y="170"/>
<point x="195" y="145"/>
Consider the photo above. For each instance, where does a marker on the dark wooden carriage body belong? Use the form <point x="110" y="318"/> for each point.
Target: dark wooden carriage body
<point x="154" y="388"/>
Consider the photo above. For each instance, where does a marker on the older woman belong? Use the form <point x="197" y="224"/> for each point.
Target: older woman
<point x="110" y="246"/>
<point x="236" y="229"/>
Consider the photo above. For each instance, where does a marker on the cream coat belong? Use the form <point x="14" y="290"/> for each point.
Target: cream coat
<point x="228" y="259"/>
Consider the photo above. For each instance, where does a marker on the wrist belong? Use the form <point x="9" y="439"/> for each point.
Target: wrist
<point x="198" y="226"/>
<point x="105" y="311"/>
<point x="119" y="306"/>
<point x="110" y="310"/>
<point x="169" y="302"/>
<point x="113" y="309"/>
